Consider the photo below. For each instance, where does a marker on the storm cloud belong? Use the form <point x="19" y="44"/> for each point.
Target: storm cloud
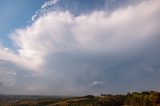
<point x="60" y="53"/>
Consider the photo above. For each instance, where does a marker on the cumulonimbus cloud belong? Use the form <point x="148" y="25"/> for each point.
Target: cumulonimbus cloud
<point x="74" y="51"/>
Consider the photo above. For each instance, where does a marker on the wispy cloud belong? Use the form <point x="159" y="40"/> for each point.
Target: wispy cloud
<point x="49" y="3"/>
<point x="95" y="83"/>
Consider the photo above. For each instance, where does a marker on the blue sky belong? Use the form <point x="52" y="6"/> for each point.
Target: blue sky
<point x="12" y="18"/>
<point x="79" y="47"/>
<point x="11" y="15"/>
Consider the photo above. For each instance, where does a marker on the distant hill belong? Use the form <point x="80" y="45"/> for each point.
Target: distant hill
<point x="146" y="98"/>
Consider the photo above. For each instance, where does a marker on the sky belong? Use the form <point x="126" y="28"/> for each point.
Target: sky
<point x="16" y="14"/>
<point x="79" y="47"/>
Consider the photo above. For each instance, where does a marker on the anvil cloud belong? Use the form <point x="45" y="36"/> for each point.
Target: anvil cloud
<point x="100" y="51"/>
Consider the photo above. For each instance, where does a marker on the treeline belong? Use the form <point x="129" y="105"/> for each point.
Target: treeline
<point x="143" y="99"/>
<point x="146" y="98"/>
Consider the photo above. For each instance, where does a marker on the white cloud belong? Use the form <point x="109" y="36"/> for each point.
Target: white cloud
<point x="125" y="31"/>
<point x="49" y="3"/>
<point x="121" y="31"/>
<point x="97" y="83"/>
<point x="44" y="9"/>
